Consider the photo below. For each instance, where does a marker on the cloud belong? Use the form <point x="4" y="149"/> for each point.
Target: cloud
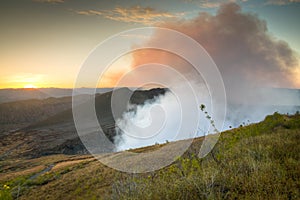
<point x="281" y="2"/>
<point x="247" y="55"/>
<point x="135" y="14"/>
<point x="213" y="3"/>
<point x="249" y="58"/>
<point x="218" y="3"/>
<point x="49" y="1"/>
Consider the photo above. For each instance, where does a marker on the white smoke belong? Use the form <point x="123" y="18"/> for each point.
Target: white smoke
<point x="160" y="120"/>
<point x="251" y="61"/>
<point x="158" y="126"/>
<point x="169" y="117"/>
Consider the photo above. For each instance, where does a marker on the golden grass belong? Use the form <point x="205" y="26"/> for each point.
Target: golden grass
<point x="259" y="161"/>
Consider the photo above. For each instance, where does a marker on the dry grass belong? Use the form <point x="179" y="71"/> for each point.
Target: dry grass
<point x="260" y="161"/>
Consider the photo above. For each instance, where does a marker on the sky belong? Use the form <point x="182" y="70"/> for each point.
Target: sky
<point x="45" y="42"/>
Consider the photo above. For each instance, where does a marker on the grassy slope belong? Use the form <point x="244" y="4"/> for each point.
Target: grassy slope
<point x="259" y="161"/>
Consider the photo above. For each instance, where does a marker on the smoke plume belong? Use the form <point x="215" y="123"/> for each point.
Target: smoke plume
<point x="250" y="59"/>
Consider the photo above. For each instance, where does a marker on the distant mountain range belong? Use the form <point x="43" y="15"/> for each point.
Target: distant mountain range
<point x="42" y="127"/>
<point x="43" y="123"/>
<point x="9" y="95"/>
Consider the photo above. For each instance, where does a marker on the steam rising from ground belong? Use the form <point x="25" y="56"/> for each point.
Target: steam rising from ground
<point x="168" y="118"/>
<point x="148" y="116"/>
<point x="250" y="60"/>
<point x="160" y="119"/>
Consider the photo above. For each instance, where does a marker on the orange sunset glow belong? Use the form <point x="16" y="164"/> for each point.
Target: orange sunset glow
<point x="30" y="86"/>
<point x="48" y="53"/>
<point x="154" y="99"/>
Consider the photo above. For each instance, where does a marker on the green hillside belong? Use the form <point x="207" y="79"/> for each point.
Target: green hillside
<point x="258" y="161"/>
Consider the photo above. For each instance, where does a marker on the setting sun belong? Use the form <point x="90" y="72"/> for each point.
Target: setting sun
<point x="30" y="86"/>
